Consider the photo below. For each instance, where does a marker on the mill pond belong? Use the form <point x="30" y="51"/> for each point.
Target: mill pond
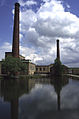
<point x="45" y="98"/>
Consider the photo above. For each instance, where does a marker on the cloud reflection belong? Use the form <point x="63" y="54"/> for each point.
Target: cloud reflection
<point x="41" y="102"/>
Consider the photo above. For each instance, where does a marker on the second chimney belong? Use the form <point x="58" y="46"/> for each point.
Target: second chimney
<point x="58" y="50"/>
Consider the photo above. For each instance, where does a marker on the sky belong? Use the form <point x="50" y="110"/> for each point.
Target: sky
<point x="42" y="22"/>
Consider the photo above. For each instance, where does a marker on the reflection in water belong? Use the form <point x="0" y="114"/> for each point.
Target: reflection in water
<point x="12" y="90"/>
<point x="58" y="83"/>
<point x="14" y="109"/>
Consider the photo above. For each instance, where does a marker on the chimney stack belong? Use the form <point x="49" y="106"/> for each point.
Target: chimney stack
<point x="15" y="46"/>
<point x="58" y="50"/>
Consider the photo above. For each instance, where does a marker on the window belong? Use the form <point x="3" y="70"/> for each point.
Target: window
<point x="40" y="69"/>
<point x="43" y="69"/>
<point x="36" y="69"/>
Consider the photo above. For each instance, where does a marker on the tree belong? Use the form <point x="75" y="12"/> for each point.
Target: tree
<point x="13" y="66"/>
<point x="57" y="67"/>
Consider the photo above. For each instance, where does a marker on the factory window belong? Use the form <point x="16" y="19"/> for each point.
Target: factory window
<point x="43" y="69"/>
<point x="40" y="69"/>
<point x="36" y="69"/>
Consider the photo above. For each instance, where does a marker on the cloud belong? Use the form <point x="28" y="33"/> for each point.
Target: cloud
<point x="29" y="53"/>
<point x="70" y="96"/>
<point x="27" y="3"/>
<point x="37" y="101"/>
<point x="41" y="29"/>
<point x="42" y="102"/>
<point x="68" y="6"/>
<point x="6" y="47"/>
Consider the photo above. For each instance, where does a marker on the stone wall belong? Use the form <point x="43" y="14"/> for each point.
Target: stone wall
<point x="43" y="69"/>
<point x="31" y="68"/>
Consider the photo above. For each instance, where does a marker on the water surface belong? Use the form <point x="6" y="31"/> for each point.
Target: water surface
<point x="39" y="98"/>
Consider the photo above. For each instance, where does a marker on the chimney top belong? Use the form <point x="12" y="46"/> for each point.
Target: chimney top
<point x="17" y="4"/>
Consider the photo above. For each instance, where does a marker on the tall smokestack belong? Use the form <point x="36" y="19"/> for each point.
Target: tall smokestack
<point x="15" y="47"/>
<point x="58" y="50"/>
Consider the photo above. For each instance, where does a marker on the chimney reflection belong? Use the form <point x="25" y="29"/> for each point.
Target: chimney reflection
<point x="59" y="83"/>
<point x="14" y="109"/>
<point x="11" y="90"/>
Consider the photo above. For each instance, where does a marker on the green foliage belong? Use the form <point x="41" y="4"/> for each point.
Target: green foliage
<point x="64" y="69"/>
<point x="13" y="66"/>
<point x="57" y="67"/>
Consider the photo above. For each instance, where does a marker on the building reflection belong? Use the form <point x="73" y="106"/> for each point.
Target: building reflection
<point x="11" y="90"/>
<point x="59" y="83"/>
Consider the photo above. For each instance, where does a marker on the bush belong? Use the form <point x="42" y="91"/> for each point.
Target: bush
<point x="57" y="67"/>
<point x="13" y="66"/>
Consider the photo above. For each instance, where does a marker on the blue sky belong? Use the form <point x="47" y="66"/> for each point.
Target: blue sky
<point x="41" y="23"/>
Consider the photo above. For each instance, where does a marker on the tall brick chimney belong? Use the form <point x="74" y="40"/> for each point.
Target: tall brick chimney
<point x="58" y="50"/>
<point x="15" y="45"/>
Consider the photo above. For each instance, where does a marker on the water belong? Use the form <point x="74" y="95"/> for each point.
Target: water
<point x="56" y="98"/>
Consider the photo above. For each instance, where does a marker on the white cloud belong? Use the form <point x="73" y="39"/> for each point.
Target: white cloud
<point x="27" y="3"/>
<point x="39" y="31"/>
<point x="39" y="100"/>
<point x="43" y="98"/>
<point x="68" y="6"/>
<point x="6" y="47"/>
<point x="28" y="53"/>
<point x="27" y="19"/>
